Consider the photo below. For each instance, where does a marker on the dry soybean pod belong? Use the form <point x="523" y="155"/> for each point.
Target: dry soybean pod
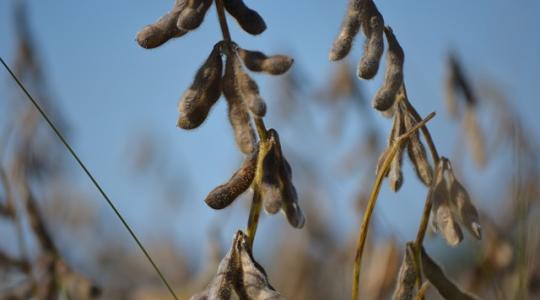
<point x="223" y="195"/>
<point x="249" y="90"/>
<point x="247" y="18"/>
<point x="203" y="93"/>
<point x="193" y="15"/>
<point x="417" y="152"/>
<point x="238" y="113"/>
<point x="257" y="61"/>
<point x="270" y="181"/>
<point x="406" y="276"/>
<point x="373" y="26"/>
<point x="156" y="34"/>
<point x="348" y="31"/>
<point x="393" y="77"/>
<point x="395" y="175"/>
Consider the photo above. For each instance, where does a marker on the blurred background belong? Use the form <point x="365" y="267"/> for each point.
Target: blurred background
<point x="116" y="104"/>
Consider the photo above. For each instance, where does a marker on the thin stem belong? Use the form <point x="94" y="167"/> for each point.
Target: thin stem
<point x="256" y="204"/>
<point x="90" y="176"/>
<point x="422" y="291"/>
<point x="254" y="213"/>
<point x="362" y="234"/>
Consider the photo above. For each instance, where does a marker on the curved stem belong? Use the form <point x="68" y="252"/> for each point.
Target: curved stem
<point x="362" y="234"/>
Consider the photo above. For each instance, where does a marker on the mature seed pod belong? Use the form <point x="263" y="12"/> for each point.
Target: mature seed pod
<point x="289" y="195"/>
<point x="444" y="221"/>
<point x="156" y="34"/>
<point x="254" y="283"/>
<point x="436" y="276"/>
<point x="373" y="26"/>
<point x="406" y="277"/>
<point x="395" y="174"/>
<point x="257" y="61"/>
<point x="238" y="115"/>
<point x="203" y="92"/>
<point x="249" y="90"/>
<point x="393" y="77"/>
<point x="270" y="181"/>
<point x="349" y="29"/>
<point x="250" y="21"/>
<point x="223" y="195"/>
<point x="462" y="204"/>
<point x="417" y="152"/>
<point x="193" y="15"/>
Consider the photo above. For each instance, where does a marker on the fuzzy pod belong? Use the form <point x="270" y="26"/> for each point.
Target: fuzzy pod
<point x="253" y="282"/>
<point x="406" y="276"/>
<point x="443" y="218"/>
<point x="164" y="29"/>
<point x="249" y="90"/>
<point x="257" y="61"/>
<point x="289" y="196"/>
<point x="238" y="114"/>
<point x="462" y="204"/>
<point x="203" y="93"/>
<point x="223" y="195"/>
<point x="373" y="26"/>
<point x="349" y="29"/>
<point x="270" y="182"/>
<point x="250" y="21"/>
<point x="417" y="152"/>
<point x="437" y="277"/>
<point x="193" y="15"/>
<point x="393" y="77"/>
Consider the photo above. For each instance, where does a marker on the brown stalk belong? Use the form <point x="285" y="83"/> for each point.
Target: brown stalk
<point x="256" y="204"/>
<point x="361" y="241"/>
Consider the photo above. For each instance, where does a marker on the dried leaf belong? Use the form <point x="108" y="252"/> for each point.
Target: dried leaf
<point x="445" y="286"/>
<point x="250" y="21"/>
<point x="223" y="195"/>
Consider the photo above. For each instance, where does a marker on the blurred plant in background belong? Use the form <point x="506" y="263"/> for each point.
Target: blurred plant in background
<point x="48" y="234"/>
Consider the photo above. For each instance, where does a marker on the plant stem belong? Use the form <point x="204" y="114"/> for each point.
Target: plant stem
<point x="361" y="241"/>
<point x="256" y="204"/>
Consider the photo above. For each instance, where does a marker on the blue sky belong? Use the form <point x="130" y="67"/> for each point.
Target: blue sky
<point x="109" y="88"/>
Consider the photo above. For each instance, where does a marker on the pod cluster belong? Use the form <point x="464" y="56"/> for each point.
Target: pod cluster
<point x="403" y="122"/>
<point x="452" y="206"/>
<point x="361" y="14"/>
<point x="239" y="275"/>
<point x="188" y="15"/>
<point x="270" y="175"/>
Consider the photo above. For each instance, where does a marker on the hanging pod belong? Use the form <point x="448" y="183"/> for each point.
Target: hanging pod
<point x="164" y="29"/>
<point x="250" y="21"/>
<point x="203" y="92"/>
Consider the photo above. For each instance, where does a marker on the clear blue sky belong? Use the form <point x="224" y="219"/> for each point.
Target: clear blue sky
<point x="109" y="88"/>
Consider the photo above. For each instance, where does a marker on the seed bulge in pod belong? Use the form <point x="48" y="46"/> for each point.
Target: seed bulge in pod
<point x="249" y="90"/>
<point x="257" y="61"/>
<point x="193" y="15"/>
<point x="349" y="29"/>
<point x="393" y="77"/>
<point x="250" y="21"/>
<point x="223" y="195"/>
<point x="238" y="114"/>
<point x="156" y="34"/>
<point x="374" y="45"/>
<point x="270" y="181"/>
<point x="203" y="93"/>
